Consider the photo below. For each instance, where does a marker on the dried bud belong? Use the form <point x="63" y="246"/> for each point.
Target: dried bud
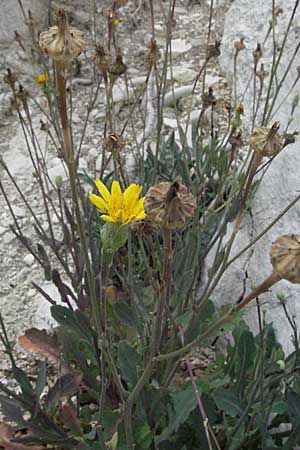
<point x="285" y="257"/>
<point x="102" y="59"/>
<point x="169" y="205"/>
<point x="61" y="42"/>
<point x="236" y="140"/>
<point x="239" y="108"/>
<point x="262" y="73"/>
<point x="278" y="11"/>
<point x="117" y="68"/>
<point x="257" y="54"/>
<point x="239" y="45"/>
<point x="214" y="50"/>
<point x="267" y="141"/>
<point x="45" y="126"/>
<point x="152" y="55"/>
<point x="114" y="143"/>
<point x="144" y="227"/>
<point x="208" y="98"/>
<point x="10" y="79"/>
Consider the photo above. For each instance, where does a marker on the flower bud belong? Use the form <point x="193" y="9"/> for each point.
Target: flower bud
<point x="170" y="205"/>
<point x="59" y="182"/>
<point x="285" y="257"/>
<point x="61" y="42"/>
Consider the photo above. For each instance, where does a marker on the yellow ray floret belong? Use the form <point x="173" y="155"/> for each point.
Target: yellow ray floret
<point x="117" y="206"/>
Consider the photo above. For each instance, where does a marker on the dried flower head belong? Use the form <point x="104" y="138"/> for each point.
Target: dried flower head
<point x="152" y="55"/>
<point x="170" y="205"/>
<point x="117" y="68"/>
<point x="114" y="143"/>
<point x="267" y="141"/>
<point x="61" y="42"/>
<point x="285" y="257"/>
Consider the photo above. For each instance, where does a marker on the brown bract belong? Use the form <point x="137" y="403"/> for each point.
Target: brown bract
<point x="169" y="205"/>
<point x="61" y="42"/>
<point x="267" y="141"/>
<point x="285" y="257"/>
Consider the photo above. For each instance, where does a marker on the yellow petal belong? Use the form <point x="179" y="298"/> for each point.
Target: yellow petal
<point x="107" y="218"/>
<point x="116" y="199"/>
<point x="103" y="190"/>
<point x="131" y="195"/>
<point x="142" y="215"/>
<point x="98" y="202"/>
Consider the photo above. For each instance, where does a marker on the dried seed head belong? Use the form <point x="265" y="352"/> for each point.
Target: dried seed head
<point x="169" y="205"/>
<point x="61" y="42"/>
<point x="267" y="141"/>
<point x="257" y="54"/>
<point x="262" y="73"/>
<point x="239" y="45"/>
<point x="152" y="55"/>
<point x="102" y="59"/>
<point x="285" y="257"/>
<point x="117" y="68"/>
<point x="114" y="143"/>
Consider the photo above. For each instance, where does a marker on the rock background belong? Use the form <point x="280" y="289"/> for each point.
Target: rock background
<point x="245" y="18"/>
<point x="249" y="19"/>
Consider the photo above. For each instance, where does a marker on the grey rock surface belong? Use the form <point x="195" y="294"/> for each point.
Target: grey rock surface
<point x="250" y="19"/>
<point x="11" y="18"/>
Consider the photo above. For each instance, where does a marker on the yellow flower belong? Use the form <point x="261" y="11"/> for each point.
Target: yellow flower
<point x="117" y="206"/>
<point x="43" y="78"/>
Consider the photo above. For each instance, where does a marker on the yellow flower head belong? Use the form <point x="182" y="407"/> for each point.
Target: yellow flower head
<point x="43" y="78"/>
<point x="117" y="206"/>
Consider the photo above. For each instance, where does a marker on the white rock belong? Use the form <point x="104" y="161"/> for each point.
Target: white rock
<point x="29" y="260"/>
<point x="180" y="46"/>
<point x="19" y="212"/>
<point x="280" y="185"/>
<point x="2" y="230"/>
<point x="181" y="74"/>
<point x="8" y="238"/>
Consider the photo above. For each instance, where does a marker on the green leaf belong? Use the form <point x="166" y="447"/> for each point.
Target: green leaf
<point x="125" y="314"/>
<point x="129" y="361"/>
<point x="293" y="402"/>
<point x="75" y="321"/>
<point x="228" y="402"/>
<point x="65" y="386"/>
<point x="25" y="385"/>
<point x="279" y="406"/>
<point x="245" y="350"/>
<point x="184" y="402"/>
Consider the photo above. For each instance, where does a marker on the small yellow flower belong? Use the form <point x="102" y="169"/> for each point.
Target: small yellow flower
<point x="117" y="206"/>
<point x="43" y="78"/>
<point x="116" y="22"/>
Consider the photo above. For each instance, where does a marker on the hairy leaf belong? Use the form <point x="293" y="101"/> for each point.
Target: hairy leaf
<point x="65" y="385"/>
<point x="228" y="402"/>
<point x="39" y="341"/>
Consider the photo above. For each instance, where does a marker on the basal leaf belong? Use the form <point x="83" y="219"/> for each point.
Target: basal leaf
<point x="129" y="361"/>
<point x="39" y="341"/>
<point x="64" y="386"/>
<point x="228" y="402"/>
